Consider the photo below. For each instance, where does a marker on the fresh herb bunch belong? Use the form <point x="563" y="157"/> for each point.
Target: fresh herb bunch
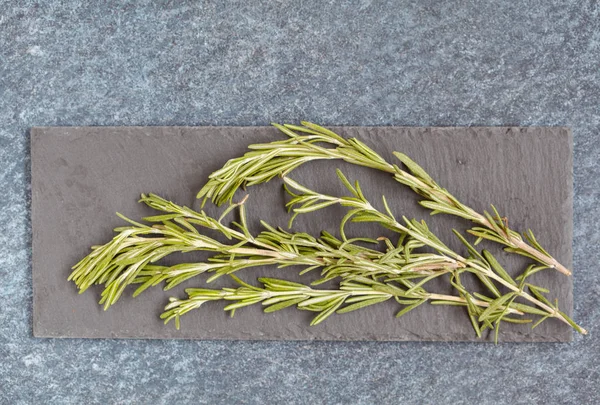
<point x="309" y="142"/>
<point x="365" y="275"/>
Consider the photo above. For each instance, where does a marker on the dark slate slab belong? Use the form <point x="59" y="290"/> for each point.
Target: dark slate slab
<point x="81" y="176"/>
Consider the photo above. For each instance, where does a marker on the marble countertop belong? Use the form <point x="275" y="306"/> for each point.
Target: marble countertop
<point x="343" y="63"/>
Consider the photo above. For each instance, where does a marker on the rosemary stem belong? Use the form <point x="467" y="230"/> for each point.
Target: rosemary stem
<point x="278" y="294"/>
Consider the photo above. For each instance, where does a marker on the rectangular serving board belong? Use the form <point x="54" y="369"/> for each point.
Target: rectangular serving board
<point x="82" y="176"/>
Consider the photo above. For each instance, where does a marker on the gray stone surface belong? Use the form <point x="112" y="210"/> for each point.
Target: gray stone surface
<point x="351" y="63"/>
<point x="81" y="176"/>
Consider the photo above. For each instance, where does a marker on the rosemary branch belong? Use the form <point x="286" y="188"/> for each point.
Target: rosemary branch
<point x="483" y="265"/>
<point x="277" y="294"/>
<point x="267" y="160"/>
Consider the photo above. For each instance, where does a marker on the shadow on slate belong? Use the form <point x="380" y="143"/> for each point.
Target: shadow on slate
<point x="81" y="176"/>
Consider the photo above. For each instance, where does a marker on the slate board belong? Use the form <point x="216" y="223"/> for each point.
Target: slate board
<point x="81" y="176"/>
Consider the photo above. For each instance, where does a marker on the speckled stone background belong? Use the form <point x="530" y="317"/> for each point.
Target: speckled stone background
<point x="349" y="63"/>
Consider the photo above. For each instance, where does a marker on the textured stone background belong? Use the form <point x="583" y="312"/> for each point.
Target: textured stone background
<point x="352" y="63"/>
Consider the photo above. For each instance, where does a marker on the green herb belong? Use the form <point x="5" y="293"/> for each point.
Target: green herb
<point x="366" y="274"/>
<point x="277" y="294"/>
<point x="306" y="143"/>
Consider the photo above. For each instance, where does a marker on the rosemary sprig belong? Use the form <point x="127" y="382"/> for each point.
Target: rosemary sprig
<point x="483" y="265"/>
<point x="267" y="160"/>
<point x="360" y="292"/>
